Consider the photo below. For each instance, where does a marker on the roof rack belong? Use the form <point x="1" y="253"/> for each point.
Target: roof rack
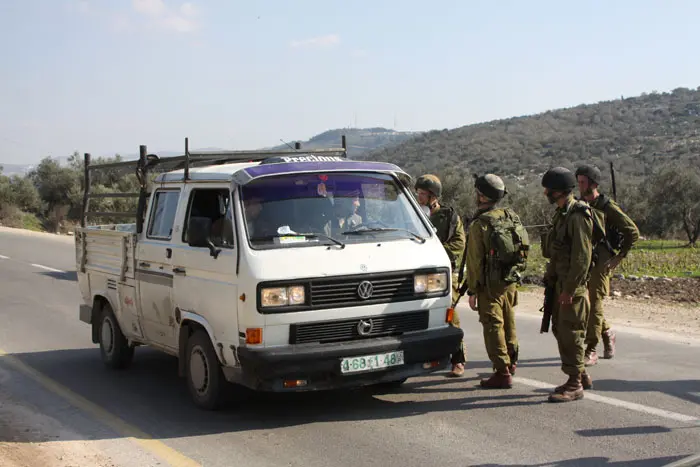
<point x="147" y="164"/>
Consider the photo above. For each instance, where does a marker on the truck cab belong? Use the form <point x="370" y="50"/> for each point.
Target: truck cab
<point x="295" y="271"/>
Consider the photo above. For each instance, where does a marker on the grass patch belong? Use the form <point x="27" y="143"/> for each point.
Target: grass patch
<point x="31" y="222"/>
<point x="670" y="258"/>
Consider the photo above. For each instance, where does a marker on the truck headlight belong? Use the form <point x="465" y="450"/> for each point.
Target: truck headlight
<point x="282" y="296"/>
<point x="430" y="283"/>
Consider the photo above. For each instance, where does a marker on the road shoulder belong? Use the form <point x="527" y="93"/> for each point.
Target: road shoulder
<point x="42" y="235"/>
<point x="29" y="438"/>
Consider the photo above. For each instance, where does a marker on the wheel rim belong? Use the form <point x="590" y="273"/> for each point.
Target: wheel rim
<point x="199" y="370"/>
<point x="107" y="336"/>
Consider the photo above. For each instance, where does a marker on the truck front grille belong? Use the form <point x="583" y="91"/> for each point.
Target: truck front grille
<point x="342" y="291"/>
<point x="350" y="329"/>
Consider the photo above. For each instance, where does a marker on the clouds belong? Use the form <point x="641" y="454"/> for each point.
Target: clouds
<point x="320" y="42"/>
<point x="326" y="42"/>
<point x="151" y="15"/>
<point x="180" y="20"/>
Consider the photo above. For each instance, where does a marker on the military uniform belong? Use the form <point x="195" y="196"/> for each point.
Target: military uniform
<point x="608" y="213"/>
<point x="569" y="247"/>
<point x="450" y="231"/>
<point x="496" y="302"/>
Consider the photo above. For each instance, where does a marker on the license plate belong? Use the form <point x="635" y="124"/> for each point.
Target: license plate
<point x="371" y="362"/>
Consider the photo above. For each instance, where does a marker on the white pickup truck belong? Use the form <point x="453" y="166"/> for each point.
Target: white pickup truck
<point x="276" y="270"/>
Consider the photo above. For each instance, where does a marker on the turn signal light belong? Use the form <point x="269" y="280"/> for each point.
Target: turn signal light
<point x="294" y="383"/>
<point x="449" y="316"/>
<point x="253" y="336"/>
<point x="434" y="364"/>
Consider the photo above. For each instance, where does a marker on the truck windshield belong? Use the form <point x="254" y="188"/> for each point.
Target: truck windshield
<point x="334" y="208"/>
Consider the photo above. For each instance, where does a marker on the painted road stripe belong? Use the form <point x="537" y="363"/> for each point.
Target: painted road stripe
<point x="4" y="257"/>
<point x="41" y="266"/>
<point x="160" y="449"/>
<point x="616" y="402"/>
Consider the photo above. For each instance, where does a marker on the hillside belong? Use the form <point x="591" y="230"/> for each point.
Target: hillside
<point x="360" y="141"/>
<point x="639" y="134"/>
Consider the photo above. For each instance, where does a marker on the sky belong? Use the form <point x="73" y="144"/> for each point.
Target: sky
<point x="104" y="76"/>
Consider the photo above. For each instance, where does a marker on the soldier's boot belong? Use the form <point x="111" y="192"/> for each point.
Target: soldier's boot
<point x="591" y="357"/>
<point x="499" y="380"/>
<point x="608" y="344"/>
<point x="457" y="370"/>
<point x="570" y="391"/>
<point x="586" y="381"/>
<point x="513" y="355"/>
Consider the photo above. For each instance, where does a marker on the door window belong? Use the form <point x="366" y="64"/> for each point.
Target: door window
<point x="163" y="214"/>
<point x="215" y="205"/>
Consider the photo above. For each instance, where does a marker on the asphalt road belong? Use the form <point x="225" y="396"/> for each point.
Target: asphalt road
<point x="643" y="411"/>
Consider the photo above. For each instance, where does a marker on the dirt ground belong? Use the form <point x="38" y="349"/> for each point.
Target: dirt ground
<point x="677" y="289"/>
<point x="631" y="309"/>
<point x="30" y="439"/>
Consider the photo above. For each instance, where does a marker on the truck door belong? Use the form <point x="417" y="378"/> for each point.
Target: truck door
<point x="154" y="269"/>
<point x="204" y="285"/>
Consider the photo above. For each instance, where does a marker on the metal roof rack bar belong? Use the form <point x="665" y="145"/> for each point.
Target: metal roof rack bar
<point x="151" y="162"/>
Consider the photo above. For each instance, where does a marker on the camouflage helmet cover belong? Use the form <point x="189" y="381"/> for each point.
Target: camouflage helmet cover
<point x="491" y="186"/>
<point x="430" y="183"/>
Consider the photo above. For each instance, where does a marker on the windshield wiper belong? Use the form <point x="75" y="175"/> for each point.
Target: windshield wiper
<point x="362" y="230"/>
<point x="296" y="234"/>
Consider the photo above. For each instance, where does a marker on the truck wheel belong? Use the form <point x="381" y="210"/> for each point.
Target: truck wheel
<point x="205" y="379"/>
<point x="114" y="347"/>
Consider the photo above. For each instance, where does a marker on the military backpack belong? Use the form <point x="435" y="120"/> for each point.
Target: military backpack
<point x="509" y="247"/>
<point x="612" y="235"/>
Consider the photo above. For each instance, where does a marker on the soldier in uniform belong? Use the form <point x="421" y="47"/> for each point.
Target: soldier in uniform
<point x="450" y="231"/>
<point x="569" y="247"/>
<point x="617" y="226"/>
<point x="494" y="298"/>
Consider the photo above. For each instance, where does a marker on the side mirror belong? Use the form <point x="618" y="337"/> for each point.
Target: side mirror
<point x="199" y="235"/>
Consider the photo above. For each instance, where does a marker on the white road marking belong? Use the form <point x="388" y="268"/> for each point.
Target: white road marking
<point x="616" y="402"/>
<point x="40" y="266"/>
<point x="4" y="257"/>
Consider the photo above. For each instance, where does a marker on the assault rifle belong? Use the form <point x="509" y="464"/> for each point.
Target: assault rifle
<point x="549" y="297"/>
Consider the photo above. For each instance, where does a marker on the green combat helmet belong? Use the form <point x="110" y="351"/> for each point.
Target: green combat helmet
<point x="430" y="183"/>
<point x="559" y="179"/>
<point x="591" y="172"/>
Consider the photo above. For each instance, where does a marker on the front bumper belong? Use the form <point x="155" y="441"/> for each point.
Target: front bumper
<point x="319" y="364"/>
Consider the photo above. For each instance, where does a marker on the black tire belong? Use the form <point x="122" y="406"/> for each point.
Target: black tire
<point x="205" y="379"/>
<point x="114" y="347"/>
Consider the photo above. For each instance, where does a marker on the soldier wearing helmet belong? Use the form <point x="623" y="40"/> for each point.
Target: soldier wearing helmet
<point x="620" y="235"/>
<point x="491" y="292"/>
<point x="450" y="231"/>
<point x="569" y="248"/>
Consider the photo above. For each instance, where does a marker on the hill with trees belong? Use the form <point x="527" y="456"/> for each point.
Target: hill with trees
<point x="638" y="134"/>
<point x="652" y="140"/>
<point x="360" y="141"/>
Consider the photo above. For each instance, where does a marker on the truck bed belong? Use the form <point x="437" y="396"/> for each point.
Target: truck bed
<point x="109" y="249"/>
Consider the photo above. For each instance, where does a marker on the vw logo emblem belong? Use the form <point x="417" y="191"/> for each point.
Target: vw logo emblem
<point x="364" y="327"/>
<point x="365" y="289"/>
